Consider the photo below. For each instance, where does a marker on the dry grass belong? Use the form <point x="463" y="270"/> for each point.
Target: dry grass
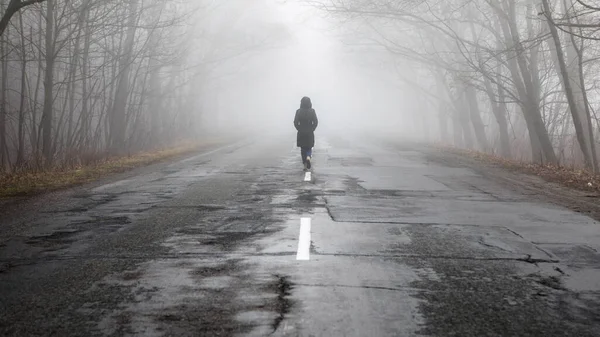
<point x="570" y="177"/>
<point x="31" y="183"/>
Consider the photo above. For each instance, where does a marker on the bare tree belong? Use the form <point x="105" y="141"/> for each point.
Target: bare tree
<point x="495" y="50"/>
<point x="47" y="114"/>
<point x="13" y="7"/>
<point x="573" y="85"/>
<point x="89" y="78"/>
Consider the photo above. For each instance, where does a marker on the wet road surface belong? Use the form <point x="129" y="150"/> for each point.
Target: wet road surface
<point x="381" y="240"/>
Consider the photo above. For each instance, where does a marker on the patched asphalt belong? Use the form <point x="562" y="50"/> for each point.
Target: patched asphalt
<point x="400" y="245"/>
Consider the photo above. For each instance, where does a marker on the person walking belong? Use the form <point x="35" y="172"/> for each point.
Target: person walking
<point x="306" y="123"/>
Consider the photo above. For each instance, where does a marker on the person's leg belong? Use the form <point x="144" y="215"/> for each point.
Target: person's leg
<point x="303" y="154"/>
<point x="308" y="156"/>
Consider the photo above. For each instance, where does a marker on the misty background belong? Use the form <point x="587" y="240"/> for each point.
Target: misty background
<point x="87" y="79"/>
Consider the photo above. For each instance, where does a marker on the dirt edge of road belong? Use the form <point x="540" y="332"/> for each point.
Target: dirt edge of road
<point x="29" y="184"/>
<point x="521" y="180"/>
<point x="579" y="179"/>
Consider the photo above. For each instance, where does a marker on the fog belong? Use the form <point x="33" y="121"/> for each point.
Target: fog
<point x="349" y="92"/>
<point x="88" y="79"/>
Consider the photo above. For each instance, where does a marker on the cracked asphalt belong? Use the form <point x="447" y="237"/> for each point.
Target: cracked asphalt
<point x="402" y="243"/>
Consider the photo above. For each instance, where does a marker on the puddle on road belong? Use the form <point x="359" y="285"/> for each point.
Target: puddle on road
<point x="163" y="290"/>
<point x="350" y="279"/>
<point x="206" y="287"/>
<point x="199" y="296"/>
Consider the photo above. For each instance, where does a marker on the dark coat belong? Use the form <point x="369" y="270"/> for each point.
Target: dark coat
<point x="306" y="123"/>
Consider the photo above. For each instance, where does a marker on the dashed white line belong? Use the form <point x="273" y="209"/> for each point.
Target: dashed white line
<point x="304" y="240"/>
<point x="307" y="176"/>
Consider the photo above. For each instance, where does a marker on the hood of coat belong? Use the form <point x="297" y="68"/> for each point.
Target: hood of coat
<point x="305" y="103"/>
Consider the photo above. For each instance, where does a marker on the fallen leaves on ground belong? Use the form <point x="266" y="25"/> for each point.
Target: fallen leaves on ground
<point x="30" y="183"/>
<point x="571" y="177"/>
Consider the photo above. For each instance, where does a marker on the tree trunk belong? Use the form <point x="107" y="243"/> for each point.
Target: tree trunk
<point x="47" y="113"/>
<point x="35" y="128"/>
<point x="71" y="90"/>
<point x="73" y="74"/>
<point x="588" y="116"/>
<point x="13" y="7"/>
<point x="3" y="97"/>
<point x="475" y="117"/>
<point x="541" y="146"/>
<point x="117" y="119"/>
<point x="574" y="64"/>
<point x="499" y="111"/>
<point x="155" y="100"/>
<point x="21" y="126"/>
<point x="156" y="107"/>
<point x="462" y="115"/>
<point x="474" y="108"/>
<point x="85" y="121"/>
<point x="442" y="112"/>
<point x="423" y="107"/>
<point x="443" y="120"/>
<point x="577" y="65"/>
<point x="568" y="86"/>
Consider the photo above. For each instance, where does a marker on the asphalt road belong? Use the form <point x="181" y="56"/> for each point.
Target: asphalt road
<point x="382" y="240"/>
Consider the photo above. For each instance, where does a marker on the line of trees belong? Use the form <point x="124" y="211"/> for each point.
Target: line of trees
<point x="86" y="79"/>
<point x="512" y="77"/>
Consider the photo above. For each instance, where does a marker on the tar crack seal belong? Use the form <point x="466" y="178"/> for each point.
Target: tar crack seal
<point x="283" y="305"/>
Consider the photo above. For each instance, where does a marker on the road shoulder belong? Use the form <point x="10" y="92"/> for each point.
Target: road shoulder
<point x="535" y="187"/>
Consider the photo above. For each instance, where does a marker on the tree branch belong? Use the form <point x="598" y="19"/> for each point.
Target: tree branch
<point x="13" y="7"/>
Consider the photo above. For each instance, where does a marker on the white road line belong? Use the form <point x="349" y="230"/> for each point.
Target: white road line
<point x="307" y="176"/>
<point x="304" y="240"/>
